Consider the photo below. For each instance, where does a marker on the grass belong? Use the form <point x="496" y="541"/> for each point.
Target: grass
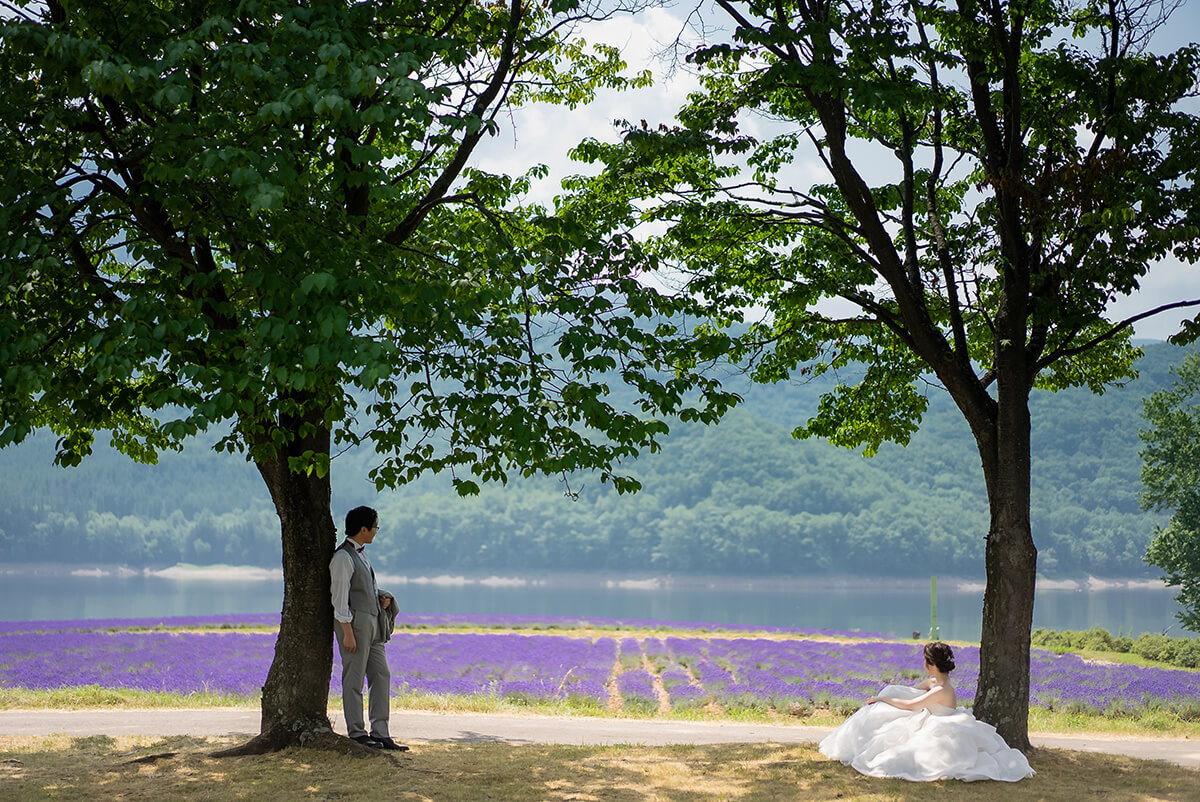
<point x="147" y="768"/>
<point x="79" y="697"/>
<point x="1151" y="724"/>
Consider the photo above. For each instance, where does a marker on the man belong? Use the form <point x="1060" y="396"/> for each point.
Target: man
<point x="362" y="626"/>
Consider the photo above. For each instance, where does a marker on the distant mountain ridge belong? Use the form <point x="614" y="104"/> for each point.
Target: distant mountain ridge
<point x="742" y="497"/>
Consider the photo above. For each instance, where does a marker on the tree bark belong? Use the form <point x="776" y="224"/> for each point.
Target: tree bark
<point x="1011" y="563"/>
<point x="295" y="695"/>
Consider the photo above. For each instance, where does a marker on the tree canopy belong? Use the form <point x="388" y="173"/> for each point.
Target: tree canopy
<point x="260" y="216"/>
<point x="246" y="211"/>
<point x="1171" y="476"/>
<point x="992" y="174"/>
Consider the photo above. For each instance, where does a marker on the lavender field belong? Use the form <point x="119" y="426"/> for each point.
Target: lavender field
<point x="652" y="668"/>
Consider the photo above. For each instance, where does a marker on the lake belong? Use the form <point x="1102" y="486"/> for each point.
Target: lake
<point x="29" y="593"/>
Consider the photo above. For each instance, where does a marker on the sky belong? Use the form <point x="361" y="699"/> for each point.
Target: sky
<point x="545" y="134"/>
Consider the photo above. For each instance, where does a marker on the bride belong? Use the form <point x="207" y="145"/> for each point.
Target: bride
<point x="917" y="733"/>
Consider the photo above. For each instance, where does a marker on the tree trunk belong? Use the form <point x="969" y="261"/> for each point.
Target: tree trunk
<point x="295" y="695"/>
<point x="1002" y="699"/>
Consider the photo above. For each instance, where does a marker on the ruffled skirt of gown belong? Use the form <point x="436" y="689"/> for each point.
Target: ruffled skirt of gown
<point x="936" y="743"/>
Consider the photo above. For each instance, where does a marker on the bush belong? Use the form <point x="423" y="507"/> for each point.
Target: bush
<point x="1050" y="639"/>
<point x="1183" y="652"/>
<point x="1097" y="640"/>
<point x="1151" y="646"/>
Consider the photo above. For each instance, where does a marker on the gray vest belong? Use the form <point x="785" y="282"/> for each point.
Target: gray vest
<point x="364" y="596"/>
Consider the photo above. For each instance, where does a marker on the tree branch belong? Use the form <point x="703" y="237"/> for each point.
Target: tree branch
<point x="452" y="170"/>
<point x="1063" y="353"/>
<point x="745" y="23"/>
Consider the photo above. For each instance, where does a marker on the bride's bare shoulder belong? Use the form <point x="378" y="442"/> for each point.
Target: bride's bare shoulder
<point x="944" y="695"/>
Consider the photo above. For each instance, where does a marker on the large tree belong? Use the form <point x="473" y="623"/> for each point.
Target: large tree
<point x="259" y="215"/>
<point x="994" y="175"/>
<point x="1171" y="478"/>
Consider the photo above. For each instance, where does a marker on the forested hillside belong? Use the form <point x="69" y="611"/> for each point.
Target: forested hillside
<point x="739" y="498"/>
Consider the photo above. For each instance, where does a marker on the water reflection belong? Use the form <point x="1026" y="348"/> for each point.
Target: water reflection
<point x="849" y="604"/>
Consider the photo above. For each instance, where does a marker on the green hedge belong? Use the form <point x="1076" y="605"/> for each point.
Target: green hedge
<point x="1183" y="652"/>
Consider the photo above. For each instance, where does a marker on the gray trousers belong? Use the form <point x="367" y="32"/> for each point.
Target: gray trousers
<point x="368" y="661"/>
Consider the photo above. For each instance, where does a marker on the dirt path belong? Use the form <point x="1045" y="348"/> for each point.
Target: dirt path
<point x="660" y="690"/>
<point x="419" y="726"/>
<point x="615" y="702"/>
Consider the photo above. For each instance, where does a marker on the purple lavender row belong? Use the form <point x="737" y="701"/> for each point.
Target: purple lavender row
<point x="637" y="688"/>
<point x="164" y="622"/>
<point x="222" y="663"/>
<point x="730" y="672"/>
<point x="684" y="689"/>
<point x="531" y="667"/>
<point x="413" y="620"/>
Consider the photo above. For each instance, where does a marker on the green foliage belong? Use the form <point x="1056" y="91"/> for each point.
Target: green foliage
<point x="985" y="189"/>
<point x="257" y="218"/>
<point x="1182" y="652"/>
<point x="742" y="498"/>
<point x="926" y="259"/>
<point x="1171" y="476"/>
<point x="1096" y="640"/>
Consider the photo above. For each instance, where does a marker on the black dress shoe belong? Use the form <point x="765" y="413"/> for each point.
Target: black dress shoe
<point x="367" y="740"/>
<point x="387" y="743"/>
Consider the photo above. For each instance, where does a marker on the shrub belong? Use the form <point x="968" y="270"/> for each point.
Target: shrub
<point x="1096" y="640"/>
<point x="1150" y="646"/>
<point x="1183" y="652"/>
<point x="1049" y="639"/>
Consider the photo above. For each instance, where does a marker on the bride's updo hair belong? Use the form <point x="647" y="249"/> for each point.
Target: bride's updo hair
<point x="940" y="656"/>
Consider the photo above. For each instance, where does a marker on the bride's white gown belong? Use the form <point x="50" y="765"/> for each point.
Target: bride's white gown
<point x="936" y="743"/>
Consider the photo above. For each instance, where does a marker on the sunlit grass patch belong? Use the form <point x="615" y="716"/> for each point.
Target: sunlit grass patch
<point x="145" y="768"/>
<point x="1152" y="724"/>
<point x="93" y="696"/>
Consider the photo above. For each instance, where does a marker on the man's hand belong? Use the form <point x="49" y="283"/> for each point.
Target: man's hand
<point x="348" y="642"/>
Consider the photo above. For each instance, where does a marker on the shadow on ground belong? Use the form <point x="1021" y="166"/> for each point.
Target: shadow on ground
<point x="150" y="768"/>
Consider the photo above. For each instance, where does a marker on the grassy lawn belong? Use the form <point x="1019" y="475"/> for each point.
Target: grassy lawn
<point x="146" y="768"/>
<point x="1151" y="724"/>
